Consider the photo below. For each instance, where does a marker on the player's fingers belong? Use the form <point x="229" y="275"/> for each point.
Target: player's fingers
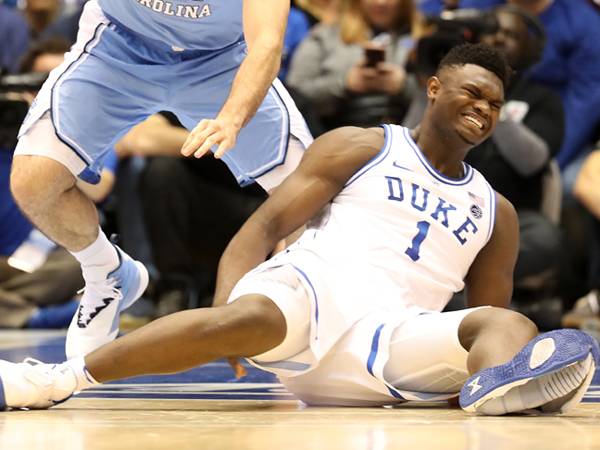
<point x="224" y="146"/>
<point x="191" y="143"/>
<point x="205" y="145"/>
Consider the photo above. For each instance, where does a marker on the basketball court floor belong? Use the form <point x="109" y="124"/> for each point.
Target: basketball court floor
<point x="206" y="408"/>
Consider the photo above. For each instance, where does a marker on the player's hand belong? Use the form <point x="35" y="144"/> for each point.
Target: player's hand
<point x="208" y="133"/>
<point x="238" y="369"/>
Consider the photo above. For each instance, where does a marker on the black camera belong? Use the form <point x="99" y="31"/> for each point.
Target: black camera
<point x="13" y="107"/>
<point x="451" y="29"/>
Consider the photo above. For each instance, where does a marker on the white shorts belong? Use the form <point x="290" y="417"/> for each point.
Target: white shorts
<point x="381" y="359"/>
<point x="40" y="140"/>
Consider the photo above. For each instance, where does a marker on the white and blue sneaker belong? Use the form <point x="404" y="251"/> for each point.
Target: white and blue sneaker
<point x="34" y="385"/>
<point x="96" y="321"/>
<point x="550" y="375"/>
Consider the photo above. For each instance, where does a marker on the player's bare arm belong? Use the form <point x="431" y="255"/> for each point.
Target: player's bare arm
<point x="264" y="29"/>
<point x="325" y="168"/>
<point x="490" y="278"/>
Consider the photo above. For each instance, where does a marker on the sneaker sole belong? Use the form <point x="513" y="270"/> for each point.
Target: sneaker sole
<point x="496" y="381"/>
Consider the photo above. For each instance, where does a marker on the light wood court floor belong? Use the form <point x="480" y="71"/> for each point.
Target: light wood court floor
<point x="206" y="409"/>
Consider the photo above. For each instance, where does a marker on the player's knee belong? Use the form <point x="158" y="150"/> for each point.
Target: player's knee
<point x="499" y="320"/>
<point x="36" y="181"/>
<point x="260" y="324"/>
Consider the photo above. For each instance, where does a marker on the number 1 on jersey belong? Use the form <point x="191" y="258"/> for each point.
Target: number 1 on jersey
<point x="413" y="250"/>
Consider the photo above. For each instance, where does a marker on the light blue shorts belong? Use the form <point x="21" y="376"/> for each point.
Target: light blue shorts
<point x="113" y="79"/>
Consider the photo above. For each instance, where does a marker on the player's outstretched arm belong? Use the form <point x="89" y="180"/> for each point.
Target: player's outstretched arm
<point x="264" y="29"/>
<point x="490" y="278"/>
<point x="327" y="165"/>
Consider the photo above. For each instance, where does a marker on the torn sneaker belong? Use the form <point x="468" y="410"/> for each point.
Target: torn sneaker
<point x="96" y="321"/>
<point x="34" y="385"/>
<point x="550" y="374"/>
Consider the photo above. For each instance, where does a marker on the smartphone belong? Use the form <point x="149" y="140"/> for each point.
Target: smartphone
<point x="374" y="55"/>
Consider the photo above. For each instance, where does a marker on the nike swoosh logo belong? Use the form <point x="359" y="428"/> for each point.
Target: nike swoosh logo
<point x="395" y="164"/>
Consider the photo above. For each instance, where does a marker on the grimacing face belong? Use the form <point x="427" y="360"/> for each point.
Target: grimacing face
<point x="466" y="101"/>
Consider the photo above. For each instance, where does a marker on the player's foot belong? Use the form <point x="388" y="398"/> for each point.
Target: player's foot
<point x="34" y="385"/>
<point x="96" y="321"/>
<point x="551" y="374"/>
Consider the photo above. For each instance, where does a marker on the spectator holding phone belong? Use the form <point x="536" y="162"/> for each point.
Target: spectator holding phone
<point x="352" y="71"/>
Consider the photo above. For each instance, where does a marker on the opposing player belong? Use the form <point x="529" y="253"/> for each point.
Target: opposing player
<point x="349" y="315"/>
<point x="212" y="63"/>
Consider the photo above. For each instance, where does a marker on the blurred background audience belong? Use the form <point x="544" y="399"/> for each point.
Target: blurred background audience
<point x="351" y="71"/>
<point x="346" y="62"/>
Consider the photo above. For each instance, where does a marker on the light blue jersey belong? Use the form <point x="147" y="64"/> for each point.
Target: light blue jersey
<point x="186" y="24"/>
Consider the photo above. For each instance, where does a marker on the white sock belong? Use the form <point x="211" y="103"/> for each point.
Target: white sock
<point x="97" y="259"/>
<point x="85" y="380"/>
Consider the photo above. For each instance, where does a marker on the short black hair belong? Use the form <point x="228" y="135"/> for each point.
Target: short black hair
<point x="481" y="55"/>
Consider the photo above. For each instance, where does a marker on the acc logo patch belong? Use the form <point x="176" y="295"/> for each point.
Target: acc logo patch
<point x="476" y="211"/>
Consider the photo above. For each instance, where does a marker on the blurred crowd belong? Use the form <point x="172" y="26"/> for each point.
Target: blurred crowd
<point x="345" y="62"/>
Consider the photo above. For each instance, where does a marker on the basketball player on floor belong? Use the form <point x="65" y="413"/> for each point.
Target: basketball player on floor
<point x="350" y="313"/>
<point x="212" y="63"/>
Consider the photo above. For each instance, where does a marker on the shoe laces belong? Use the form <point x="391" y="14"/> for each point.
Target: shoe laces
<point x="104" y="290"/>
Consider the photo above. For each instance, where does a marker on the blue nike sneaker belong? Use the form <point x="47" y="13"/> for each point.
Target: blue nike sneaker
<point x="96" y="321"/>
<point x="550" y="374"/>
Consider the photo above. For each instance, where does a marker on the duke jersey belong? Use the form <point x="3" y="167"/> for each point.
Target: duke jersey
<point x="183" y="24"/>
<point x="403" y="229"/>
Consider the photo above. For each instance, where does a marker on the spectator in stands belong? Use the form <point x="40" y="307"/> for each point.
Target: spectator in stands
<point x="516" y="160"/>
<point x="332" y="70"/>
<point x="571" y="66"/>
<point x="14" y="39"/>
<point x="40" y="14"/>
<point x="529" y="133"/>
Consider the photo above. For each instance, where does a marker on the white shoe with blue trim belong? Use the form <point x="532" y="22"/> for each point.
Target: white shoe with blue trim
<point x="96" y="321"/>
<point x="34" y="385"/>
<point x="550" y="374"/>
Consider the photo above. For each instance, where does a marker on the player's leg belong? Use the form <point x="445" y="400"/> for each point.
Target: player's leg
<point x="493" y="336"/>
<point x="270" y="326"/>
<point x="251" y="325"/>
<point x="86" y="105"/>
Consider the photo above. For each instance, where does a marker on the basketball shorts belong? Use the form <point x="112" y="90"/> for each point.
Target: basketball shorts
<point x="380" y="359"/>
<point x="113" y="79"/>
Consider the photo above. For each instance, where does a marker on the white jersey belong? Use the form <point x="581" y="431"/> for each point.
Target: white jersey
<point x="410" y="227"/>
<point x="385" y="255"/>
<point x="400" y="238"/>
